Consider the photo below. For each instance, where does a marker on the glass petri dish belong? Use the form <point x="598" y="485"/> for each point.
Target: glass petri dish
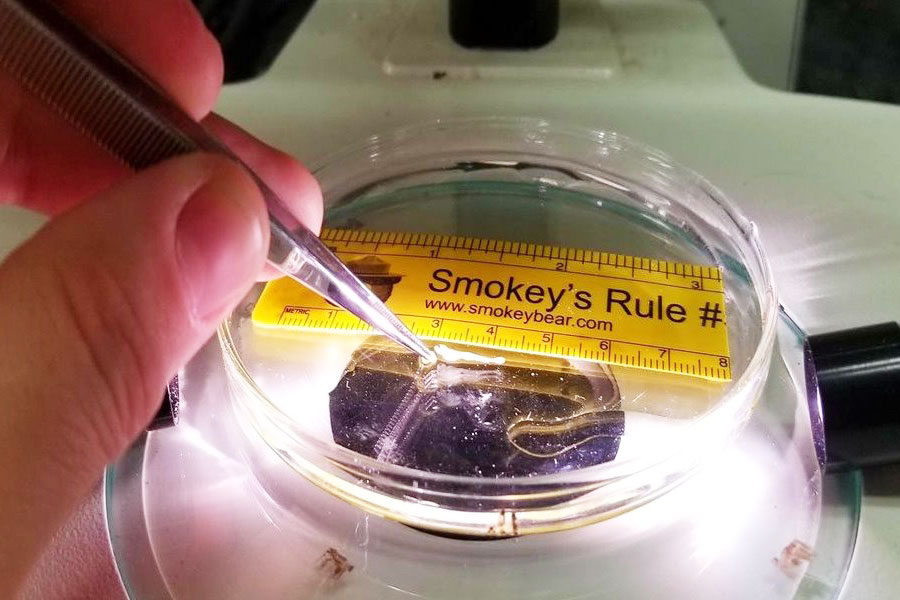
<point x="204" y="510"/>
<point x="524" y="181"/>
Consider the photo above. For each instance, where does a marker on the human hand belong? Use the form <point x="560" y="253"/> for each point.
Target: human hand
<point x="128" y="279"/>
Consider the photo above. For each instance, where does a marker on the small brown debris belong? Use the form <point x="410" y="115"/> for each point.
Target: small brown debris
<point x="507" y="524"/>
<point x="334" y="564"/>
<point x="793" y="558"/>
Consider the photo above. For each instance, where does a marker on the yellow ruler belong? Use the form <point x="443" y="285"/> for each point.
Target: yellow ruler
<point x="546" y="300"/>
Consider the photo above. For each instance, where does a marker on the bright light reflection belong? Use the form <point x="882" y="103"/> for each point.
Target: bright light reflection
<point x="195" y="438"/>
<point x="605" y="181"/>
<point x="725" y="496"/>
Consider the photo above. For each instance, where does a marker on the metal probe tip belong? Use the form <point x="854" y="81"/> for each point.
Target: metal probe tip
<point x="300" y="254"/>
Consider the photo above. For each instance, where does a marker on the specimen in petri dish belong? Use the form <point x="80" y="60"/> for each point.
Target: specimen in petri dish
<point x="481" y="420"/>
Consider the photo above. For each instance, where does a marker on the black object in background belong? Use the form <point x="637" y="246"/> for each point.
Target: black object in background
<point x="851" y="48"/>
<point x="167" y="415"/>
<point x="251" y="32"/>
<point x="858" y="372"/>
<point x="504" y="24"/>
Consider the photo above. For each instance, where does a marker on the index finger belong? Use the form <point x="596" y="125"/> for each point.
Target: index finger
<point x="167" y="39"/>
<point x="48" y="165"/>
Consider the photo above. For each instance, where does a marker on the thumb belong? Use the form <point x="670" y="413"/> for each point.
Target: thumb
<point x="98" y="311"/>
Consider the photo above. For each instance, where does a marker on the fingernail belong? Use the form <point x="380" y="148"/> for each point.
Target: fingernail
<point x="219" y="242"/>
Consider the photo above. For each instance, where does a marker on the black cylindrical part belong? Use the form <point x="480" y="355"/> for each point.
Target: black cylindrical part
<point x="858" y="372"/>
<point x="251" y="33"/>
<point x="167" y="416"/>
<point x="504" y="24"/>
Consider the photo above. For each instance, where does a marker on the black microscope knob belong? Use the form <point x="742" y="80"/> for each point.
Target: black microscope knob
<point x="504" y="24"/>
<point x="858" y="372"/>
